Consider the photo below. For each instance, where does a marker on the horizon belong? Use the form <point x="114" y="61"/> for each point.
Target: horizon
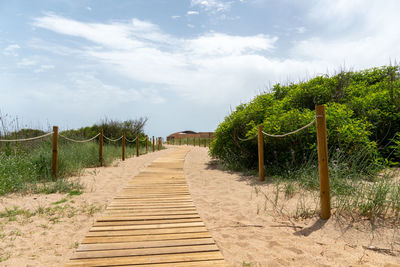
<point x="182" y="64"/>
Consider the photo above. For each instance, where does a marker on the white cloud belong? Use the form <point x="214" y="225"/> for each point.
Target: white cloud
<point x="363" y="33"/>
<point x="89" y="8"/>
<point x="220" y="68"/>
<point x="212" y="6"/>
<point x="77" y="92"/>
<point x="114" y="35"/>
<point x="44" y="68"/>
<point x="175" y="17"/>
<point x="203" y="64"/>
<point x="191" y="12"/>
<point x="190" y="25"/>
<point x="219" y="44"/>
<point x="11" y="50"/>
<point x="301" y="30"/>
<point x="26" y="62"/>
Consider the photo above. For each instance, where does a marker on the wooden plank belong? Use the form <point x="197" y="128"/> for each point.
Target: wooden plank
<point x="146" y="244"/>
<point x="152" y="208"/>
<point x="151" y="222"/>
<point x="149" y="226"/>
<point x="154" y="231"/>
<point x="177" y="199"/>
<point x="144" y="222"/>
<point x="148" y="213"/>
<point x="143" y="251"/>
<point x="146" y="218"/>
<point x="205" y="263"/>
<point x="140" y="195"/>
<point x="113" y="239"/>
<point x="148" y="259"/>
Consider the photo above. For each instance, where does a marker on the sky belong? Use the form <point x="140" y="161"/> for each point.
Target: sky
<point x="183" y="64"/>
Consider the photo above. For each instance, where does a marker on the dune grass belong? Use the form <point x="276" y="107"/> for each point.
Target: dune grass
<point x="358" y="188"/>
<point x="28" y="169"/>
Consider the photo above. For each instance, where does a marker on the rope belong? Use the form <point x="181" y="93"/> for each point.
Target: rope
<point x="112" y="140"/>
<point x="131" y="141"/>
<point x="78" y="141"/>
<point x="27" y="139"/>
<point x="247" y="139"/>
<point x="286" y="134"/>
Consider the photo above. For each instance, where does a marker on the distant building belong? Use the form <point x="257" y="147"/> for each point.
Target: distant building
<point x="189" y="134"/>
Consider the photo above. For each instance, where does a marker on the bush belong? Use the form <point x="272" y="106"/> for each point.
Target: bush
<point x="362" y="114"/>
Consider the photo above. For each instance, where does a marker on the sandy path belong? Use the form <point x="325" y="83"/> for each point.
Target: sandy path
<point x="248" y="235"/>
<point x="246" y="232"/>
<point x="49" y="239"/>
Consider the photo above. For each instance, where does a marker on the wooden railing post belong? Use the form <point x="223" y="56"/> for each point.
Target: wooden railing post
<point x="260" y="153"/>
<point x="153" y="143"/>
<point x="159" y="143"/>
<point x="123" y="146"/>
<point x="54" y="162"/>
<point x="147" y="140"/>
<point x="137" y="145"/>
<point x="101" y="147"/>
<point x="323" y="163"/>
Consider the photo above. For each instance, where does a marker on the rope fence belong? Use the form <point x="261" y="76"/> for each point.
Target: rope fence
<point x="26" y="139"/>
<point x="79" y="141"/>
<point x="130" y="141"/>
<point x="101" y="136"/>
<point x="247" y="139"/>
<point x="280" y="135"/>
<point x="322" y="146"/>
<point x="293" y="132"/>
<point x="112" y="140"/>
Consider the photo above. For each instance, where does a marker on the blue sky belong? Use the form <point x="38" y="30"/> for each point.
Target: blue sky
<point x="183" y="64"/>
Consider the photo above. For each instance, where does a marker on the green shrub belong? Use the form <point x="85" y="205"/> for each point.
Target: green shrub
<point x="362" y="114"/>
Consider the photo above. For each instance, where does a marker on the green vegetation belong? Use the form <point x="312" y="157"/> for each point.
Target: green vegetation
<point x="26" y="167"/>
<point x="52" y="213"/>
<point x="363" y="124"/>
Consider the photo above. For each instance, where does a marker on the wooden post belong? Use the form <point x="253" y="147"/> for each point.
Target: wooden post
<point x="159" y="143"/>
<point x="137" y="145"/>
<point x="123" y="146"/>
<point x="205" y="142"/>
<point x="323" y="163"/>
<point x="260" y="154"/>
<point x="54" y="162"/>
<point x="153" y="143"/>
<point x="101" y="147"/>
<point x="147" y="140"/>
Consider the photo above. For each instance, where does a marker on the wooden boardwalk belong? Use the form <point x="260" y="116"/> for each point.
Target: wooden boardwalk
<point x="152" y="222"/>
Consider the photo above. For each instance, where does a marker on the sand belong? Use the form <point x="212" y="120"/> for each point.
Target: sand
<point x="247" y="229"/>
<point x="250" y="232"/>
<point x="50" y="238"/>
